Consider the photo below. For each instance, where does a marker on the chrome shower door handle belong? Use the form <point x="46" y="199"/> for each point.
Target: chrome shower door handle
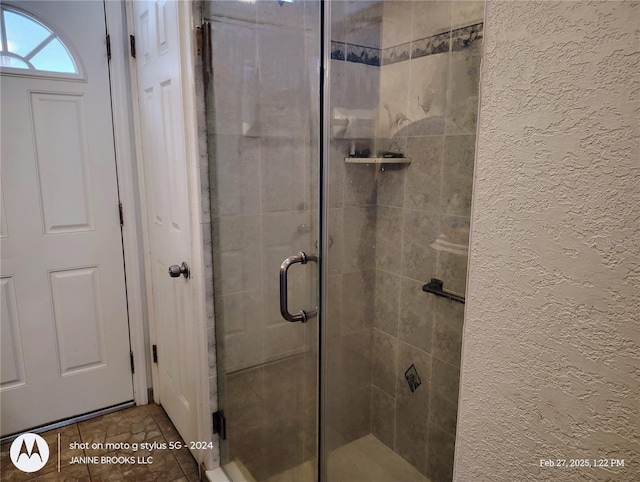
<point x="302" y="316"/>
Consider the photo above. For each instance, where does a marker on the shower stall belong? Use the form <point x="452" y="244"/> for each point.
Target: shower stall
<point x="341" y="140"/>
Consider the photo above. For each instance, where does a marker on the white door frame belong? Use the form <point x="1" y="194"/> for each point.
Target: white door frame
<point x="188" y="47"/>
<point x="128" y="191"/>
<point x="196" y="265"/>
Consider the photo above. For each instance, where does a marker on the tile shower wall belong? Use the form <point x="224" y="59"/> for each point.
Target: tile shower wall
<point x="355" y="85"/>
<point x="428" y="106"/>
<point x="401" y="226"/>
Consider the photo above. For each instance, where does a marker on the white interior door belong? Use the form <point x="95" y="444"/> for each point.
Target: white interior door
<point x="64" y="331"/>
<point x="162" y="119"/>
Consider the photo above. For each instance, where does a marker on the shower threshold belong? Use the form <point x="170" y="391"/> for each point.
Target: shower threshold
<point x="366" y="459"/>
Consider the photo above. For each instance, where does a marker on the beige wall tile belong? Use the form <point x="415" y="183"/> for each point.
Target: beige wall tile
<point x="440" y="453"/>
<point x="416" y="315"/>
<point x="423" y="179"/>
<point x="383" y="416"/>
<point x="411" y="437"/>
<point x="396" y="22"/>
<point x="383" y="358"/>
<point x="234" y="175"/>
<point x="430" y="18"/>
<point x="237" y="249"/>
<point x="387" y="299"/>
<point x="394" y="94"/>
<point x="457" y="174"/>
<point x="420" y="230"/>
<point x="358" y="300"/>
<point x="428" y="82"/>
<point x="462" y="91"/>
<point x="359" y="238"/>
<point x="467" y="12"/>
<point x="389" y="239"/>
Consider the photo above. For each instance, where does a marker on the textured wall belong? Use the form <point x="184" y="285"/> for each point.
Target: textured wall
<point x="550" y="355"/>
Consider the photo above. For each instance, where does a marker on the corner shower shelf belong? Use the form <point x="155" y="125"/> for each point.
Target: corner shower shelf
<point x="377" y="160"/>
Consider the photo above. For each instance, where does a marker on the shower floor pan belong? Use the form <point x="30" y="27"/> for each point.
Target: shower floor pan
<point x="363" y="460"/>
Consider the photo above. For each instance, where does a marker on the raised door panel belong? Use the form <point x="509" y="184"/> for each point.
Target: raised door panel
<point x="62" y="156"/>
<point x="79" y="321"/>
<point x="162" y="37"/>
<point x="12" y="358"/>
<point x="154" y="158"/>
<point x="172" y="167"/>
<point x="4" y="230"/>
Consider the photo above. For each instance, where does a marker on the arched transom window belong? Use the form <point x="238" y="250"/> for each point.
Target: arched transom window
<point x="25" y="43"/>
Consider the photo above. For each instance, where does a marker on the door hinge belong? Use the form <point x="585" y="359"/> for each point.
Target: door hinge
<point x="121" y="214"/>
<point x="154" y="351"/>
<point x="219" y="425"/>
<point x="198" y="40"/>
<point x="204" y="49"/>
<point x="108" y="47"/>
<point x="132" y="45"/>
<point x="133" y="369"/>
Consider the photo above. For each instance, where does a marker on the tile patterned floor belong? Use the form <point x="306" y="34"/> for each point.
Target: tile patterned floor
<point x="147" y="423"/>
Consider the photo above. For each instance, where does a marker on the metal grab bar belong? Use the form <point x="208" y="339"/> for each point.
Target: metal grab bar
<point x="435" y="286"/>
<point x="302" y="316"/>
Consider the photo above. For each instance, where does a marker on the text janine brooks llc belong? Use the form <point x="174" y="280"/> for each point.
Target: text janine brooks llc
<point x="119" y="459"/>
<point x="112" y="459"/>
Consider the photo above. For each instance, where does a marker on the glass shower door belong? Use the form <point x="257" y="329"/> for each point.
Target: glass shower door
<point x="368" y="390"/>
<point x="263" y="126"/>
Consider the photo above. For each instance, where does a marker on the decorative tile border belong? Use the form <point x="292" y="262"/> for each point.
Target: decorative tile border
<point x="360" y="54"/>
<point x="396" y="54"/>
<point x="436" y="44"/>
<point x="452" y="41"/>
<point x="338" y="50"/>
<point x="461" y="38"/>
